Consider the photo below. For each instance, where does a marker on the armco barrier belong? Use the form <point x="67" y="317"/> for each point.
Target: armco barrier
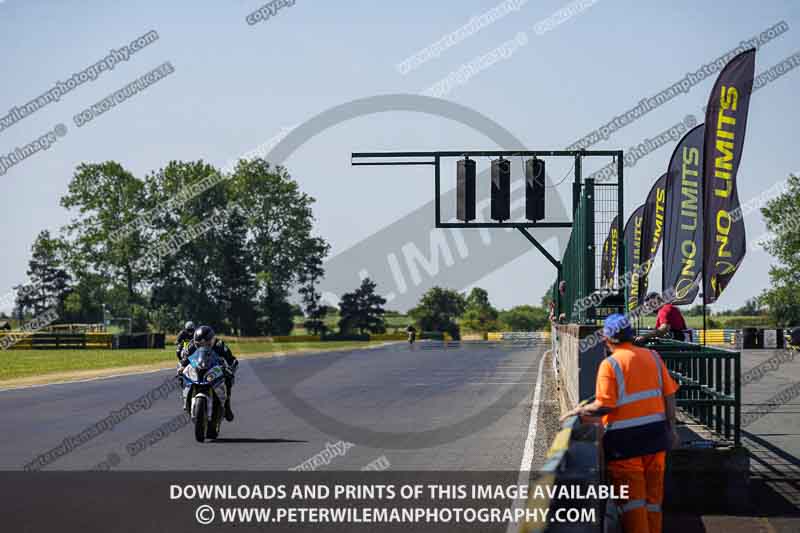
<point x="139" y="341"/>
<point x="573" y="459"/>
<point x="518" y="335"/>
<point x="59" y="341"/>
<point x="295" y="338"/>
<point x="389" y="337"/>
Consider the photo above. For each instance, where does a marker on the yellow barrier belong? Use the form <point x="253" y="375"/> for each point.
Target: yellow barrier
<point x="714" y="336"/>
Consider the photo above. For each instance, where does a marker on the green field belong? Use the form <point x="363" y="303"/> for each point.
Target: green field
<point x="394" y="323"/>
<point x="27" y="363"/>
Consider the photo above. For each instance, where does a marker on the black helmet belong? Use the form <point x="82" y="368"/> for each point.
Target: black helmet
<point x="189" y="326"/>
<point x="203" y="336"/>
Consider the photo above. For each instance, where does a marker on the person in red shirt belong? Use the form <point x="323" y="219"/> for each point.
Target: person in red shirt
<point x="669" y="321"/>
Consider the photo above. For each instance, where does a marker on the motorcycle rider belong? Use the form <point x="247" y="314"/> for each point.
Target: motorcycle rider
<point x="184" y="338"/>
<point x="412" y="333"/>
<point x="204" y="337"/>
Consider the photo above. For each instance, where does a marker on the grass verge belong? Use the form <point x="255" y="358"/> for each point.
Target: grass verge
<point x="27" y="363"/>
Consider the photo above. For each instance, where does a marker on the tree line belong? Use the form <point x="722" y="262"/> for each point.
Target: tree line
<point x="231" y="250"/>
<point x="251" y="244"/>
<point x="439" y="310"/>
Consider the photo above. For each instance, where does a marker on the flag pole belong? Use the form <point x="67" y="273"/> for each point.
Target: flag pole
<point x="703" y="218"/>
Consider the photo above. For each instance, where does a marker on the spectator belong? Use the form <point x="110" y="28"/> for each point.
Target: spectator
<point x="669" y="321"/>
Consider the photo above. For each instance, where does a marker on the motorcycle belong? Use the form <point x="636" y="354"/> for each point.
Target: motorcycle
<point x="204" y="392"/>
<point x="792" y="339"/>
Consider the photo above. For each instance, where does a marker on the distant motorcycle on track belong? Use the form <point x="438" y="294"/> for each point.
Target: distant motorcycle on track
<point x="204" y="392"/>
<point x="793" y="339"/>
<point x="412" y="335"/>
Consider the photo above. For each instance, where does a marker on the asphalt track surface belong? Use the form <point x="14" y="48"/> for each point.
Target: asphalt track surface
<point x="455" y="406"/>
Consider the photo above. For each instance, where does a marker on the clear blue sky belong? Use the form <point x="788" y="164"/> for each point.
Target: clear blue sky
<point x="236" y="85"/>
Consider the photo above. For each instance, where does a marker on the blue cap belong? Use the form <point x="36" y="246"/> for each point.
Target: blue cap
<point x="617" y="326"/>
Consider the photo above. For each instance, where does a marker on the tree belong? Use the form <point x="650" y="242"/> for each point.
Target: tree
<point x="783" y="305"/>
<point x="438" y="310"/>
<point x="281" y="231"/>
<point x="276" y="314"/>
<point x="695" y="310"/>
<point x="167" y="318"/>
<point x="780" y="215"/>
<point x="524" y="318"/>
<point x="105" y="197"/>
<point x="362" y="310"/>
<point x="751" y="307"/>
<point x="235" y="285"/>
<point x="84" y="303"/>
<point x="49" y="281"/>
<point x="196" y="251"/>
<point x="547" y="298"/>
<point x="310" y="276"/>
<point x="479" y="315"/>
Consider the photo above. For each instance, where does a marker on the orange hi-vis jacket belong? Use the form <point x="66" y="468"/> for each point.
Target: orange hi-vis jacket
<point x="633" y="382"/>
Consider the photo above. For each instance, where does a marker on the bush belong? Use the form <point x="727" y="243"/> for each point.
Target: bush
<point x="524" y="318"/>
<point x="739" y="322"/>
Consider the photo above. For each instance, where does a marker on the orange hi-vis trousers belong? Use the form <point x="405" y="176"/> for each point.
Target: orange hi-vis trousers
<point x="644" y="475"/>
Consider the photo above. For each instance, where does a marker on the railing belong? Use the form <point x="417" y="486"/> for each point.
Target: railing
<point x="710" y="384"/>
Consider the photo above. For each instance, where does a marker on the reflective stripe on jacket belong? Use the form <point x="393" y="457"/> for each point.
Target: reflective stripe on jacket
<point x="637" y="424"/>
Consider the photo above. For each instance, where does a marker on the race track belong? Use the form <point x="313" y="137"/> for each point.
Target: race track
<point x="463" y="406"/>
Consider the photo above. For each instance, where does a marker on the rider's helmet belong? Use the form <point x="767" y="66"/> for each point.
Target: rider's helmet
<point x="189" y="326"/>
<point x="204" y="336"/>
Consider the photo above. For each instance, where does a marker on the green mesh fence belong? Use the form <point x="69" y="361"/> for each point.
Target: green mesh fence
<point x="578" y="262"/>
<point x="597" y="208"/>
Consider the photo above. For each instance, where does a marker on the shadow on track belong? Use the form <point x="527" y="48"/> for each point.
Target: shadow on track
<point x="257" y="441"/>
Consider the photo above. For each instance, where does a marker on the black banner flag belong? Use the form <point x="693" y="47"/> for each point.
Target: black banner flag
<point x="608" y="266"/>
<point x="724" y="243"/>
<point x="683" y="224"/>
<point x="652" y="229"/>
<point x="633" y="257"/>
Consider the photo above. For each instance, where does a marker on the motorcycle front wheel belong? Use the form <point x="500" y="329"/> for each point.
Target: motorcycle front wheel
<point x="216" y="420"/>
<point x="200" y="421"/>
